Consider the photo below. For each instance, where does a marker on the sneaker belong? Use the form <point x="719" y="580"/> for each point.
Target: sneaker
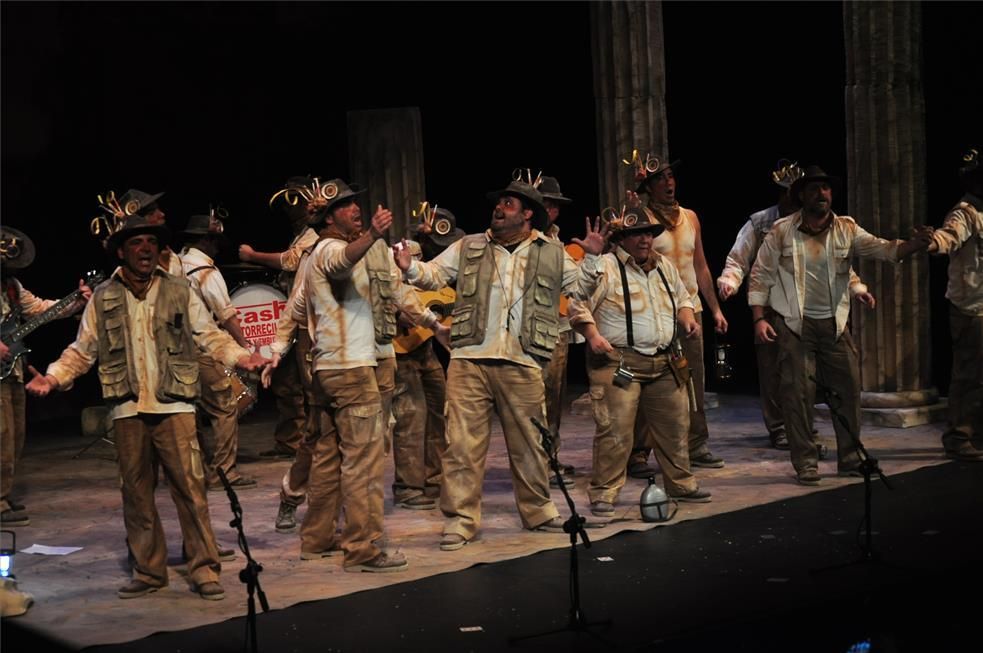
<point x="135" y="588"/>
<point x="452" y="542"/>
<point x="640" y="470"/>
<point x="601" y="509"/>
<point x="419" y="502"/>
<point x="706" y="460"/>
<point x="554" y="525"/>
<point x="211" y="591"/>
<point x="779" y="440"/>
<point x="279" y="451"/>
<point x="696" y="496"/>
<point x="11" y="518"/>
<point x="382" y="564"/>
<point x="808" y="477"/>
<point x="556" y="480"/>
<point x="330" y="552"/>
<point x="286" y="518"/>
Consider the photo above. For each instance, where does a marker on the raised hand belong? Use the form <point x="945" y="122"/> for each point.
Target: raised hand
<point x="382" y="219"/>
<point x="402" y="256"/>
<point x="246" y="253"/>
<point x="596" y="238"/>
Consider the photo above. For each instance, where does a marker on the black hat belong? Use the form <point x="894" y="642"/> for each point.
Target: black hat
<point x="811" y="174"/>
<point x="321" y="197"/>
<point x="443" y="229"/>
<point x="136" y="201"/>
<point x="203" y="225"/>
<point x="540" y="219"/>
<point x="16" y="249"/>
<point x="549" y="188"/>
<point x="632" y="221"/>
<point x="653" y="168"/>
<point x="134" y="226"/>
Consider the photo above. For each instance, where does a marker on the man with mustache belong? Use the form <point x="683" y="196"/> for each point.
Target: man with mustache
<point x="145" y="327"/>
<point x="505" y="325"/>
<point x="802" y="272"/>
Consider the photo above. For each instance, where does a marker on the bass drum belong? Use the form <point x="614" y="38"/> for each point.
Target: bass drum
<point x="259" y="306"/>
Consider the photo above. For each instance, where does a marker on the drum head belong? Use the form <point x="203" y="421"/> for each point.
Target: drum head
<point x="259" y="306"/>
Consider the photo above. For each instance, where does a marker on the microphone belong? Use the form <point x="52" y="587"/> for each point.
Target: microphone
<point x="547" y="438"/>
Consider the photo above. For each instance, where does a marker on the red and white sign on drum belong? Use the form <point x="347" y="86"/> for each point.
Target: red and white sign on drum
<point x="259" y="307"/>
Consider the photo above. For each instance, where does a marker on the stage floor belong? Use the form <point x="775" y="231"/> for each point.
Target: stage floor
<point x="77" y="503"/>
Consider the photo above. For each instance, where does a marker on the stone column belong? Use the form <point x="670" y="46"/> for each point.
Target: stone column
<point x="885" y="121"/>
<point x="385" y="149"/>
<point x="629" y="89"/>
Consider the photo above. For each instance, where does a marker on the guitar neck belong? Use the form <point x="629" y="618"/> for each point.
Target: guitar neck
<point x="43" y="318"/>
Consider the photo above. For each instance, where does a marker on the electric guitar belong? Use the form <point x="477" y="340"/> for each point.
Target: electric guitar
<point x="13" y="334"/>
<point x="440" y="302"/>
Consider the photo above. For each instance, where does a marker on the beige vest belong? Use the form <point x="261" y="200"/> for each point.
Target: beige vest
<point x="176" y="350"/>
<point x="541" y="305"/>
<point x="381" y="291"/>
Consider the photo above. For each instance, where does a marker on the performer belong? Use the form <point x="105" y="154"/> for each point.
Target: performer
<point x="219" y="435"/>
<point x="961" y="237"/>
<point x="16" y="253"/>
<point x="143" y="327"/>
<point x="630" y="323"/>
<point x="555" y="372"/>
<point x="419" y="433"/>
<point x="287" y="385"/>
<point x="739" y="262"/>
<point x="682" y="244"/>
<point x="501" y="336"/>
<point x="802" y="273"/>
<point x="347" y="301"/>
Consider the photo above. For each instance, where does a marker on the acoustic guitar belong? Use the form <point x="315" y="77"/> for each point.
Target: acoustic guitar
<point x="440" y="302"/>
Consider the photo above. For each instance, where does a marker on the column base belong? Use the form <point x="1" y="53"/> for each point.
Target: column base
<point x="900" y="418"/>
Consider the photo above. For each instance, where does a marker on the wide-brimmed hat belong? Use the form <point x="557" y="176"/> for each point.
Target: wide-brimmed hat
<point x="443" y="228"/>
<point x="134" y="226"/>
<point x="653" y="168"/>
<point x="631" y="221"/>
<point x="137" y="201"/>
<point x="811" y="174"/>
<point x="16" y="249"/>
<point x="549" y="188"/>
<point x="785" y="173"/>
<point x="540" y="219"/>
<point x="204" y="225"/>
<point x="321" y="197"/>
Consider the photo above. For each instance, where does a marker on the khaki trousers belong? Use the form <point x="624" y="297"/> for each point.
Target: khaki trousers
<point x="347" y="465"/>
<point x="832" y="361"/>
<point x="288" y="388"/>
<point x="12" y="432"/>
<point x="665" y="406"/>
<point x="475" y="390"/>
<point x="171" y="440"/>
<point x="769" y="380"/>
<point x="966" y="386"/>
<point x="420" y="432"/>
<point x="555" y="380"/>
<point x="293" y="486"/>
<point x="218" y="428"/>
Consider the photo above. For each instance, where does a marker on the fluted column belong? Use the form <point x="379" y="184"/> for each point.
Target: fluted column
<point x="885" y="120"/>
<point x="629" y="89"/>
<point x="386" y="155"/>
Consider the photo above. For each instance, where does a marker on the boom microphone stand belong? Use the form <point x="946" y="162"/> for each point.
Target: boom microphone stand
<point x="574" y="526"/>
<point x="250" y="573"/>
<point x="868" y="466"/>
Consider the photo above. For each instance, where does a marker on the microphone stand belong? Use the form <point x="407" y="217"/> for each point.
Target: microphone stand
<point x="868" y="466"/>
<point x="250" y="573"/>
<point x="574" y="526"/>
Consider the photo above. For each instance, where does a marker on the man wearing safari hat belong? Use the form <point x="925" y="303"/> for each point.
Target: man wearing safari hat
<point x="137" y="202"/>
<point x="682" y="244"/>
<point x="738" y="265"/>
<point x="219" y="435"/>
<point x="16" y="253"/>
<point x="420" y="428"/>
<point x="144" y="328"/>
<point x="802" y="272"/>
<point x="505" y="326"/>
<point x="639" y="308"/>
<point x="349" y="294"/>
<point x="961" y="237"/>
<point x="288" y="386"/>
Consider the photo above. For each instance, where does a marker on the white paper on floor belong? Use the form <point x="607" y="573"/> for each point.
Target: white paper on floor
<point x="44" y="550"/>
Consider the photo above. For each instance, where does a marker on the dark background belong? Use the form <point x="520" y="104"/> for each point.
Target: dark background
<point x="221" y="102"/>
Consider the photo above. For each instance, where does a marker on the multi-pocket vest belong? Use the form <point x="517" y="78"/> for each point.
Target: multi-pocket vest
<point x="540" y="326"/>
<point x="176" y="350"/>
<point x="378" y="267"/>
